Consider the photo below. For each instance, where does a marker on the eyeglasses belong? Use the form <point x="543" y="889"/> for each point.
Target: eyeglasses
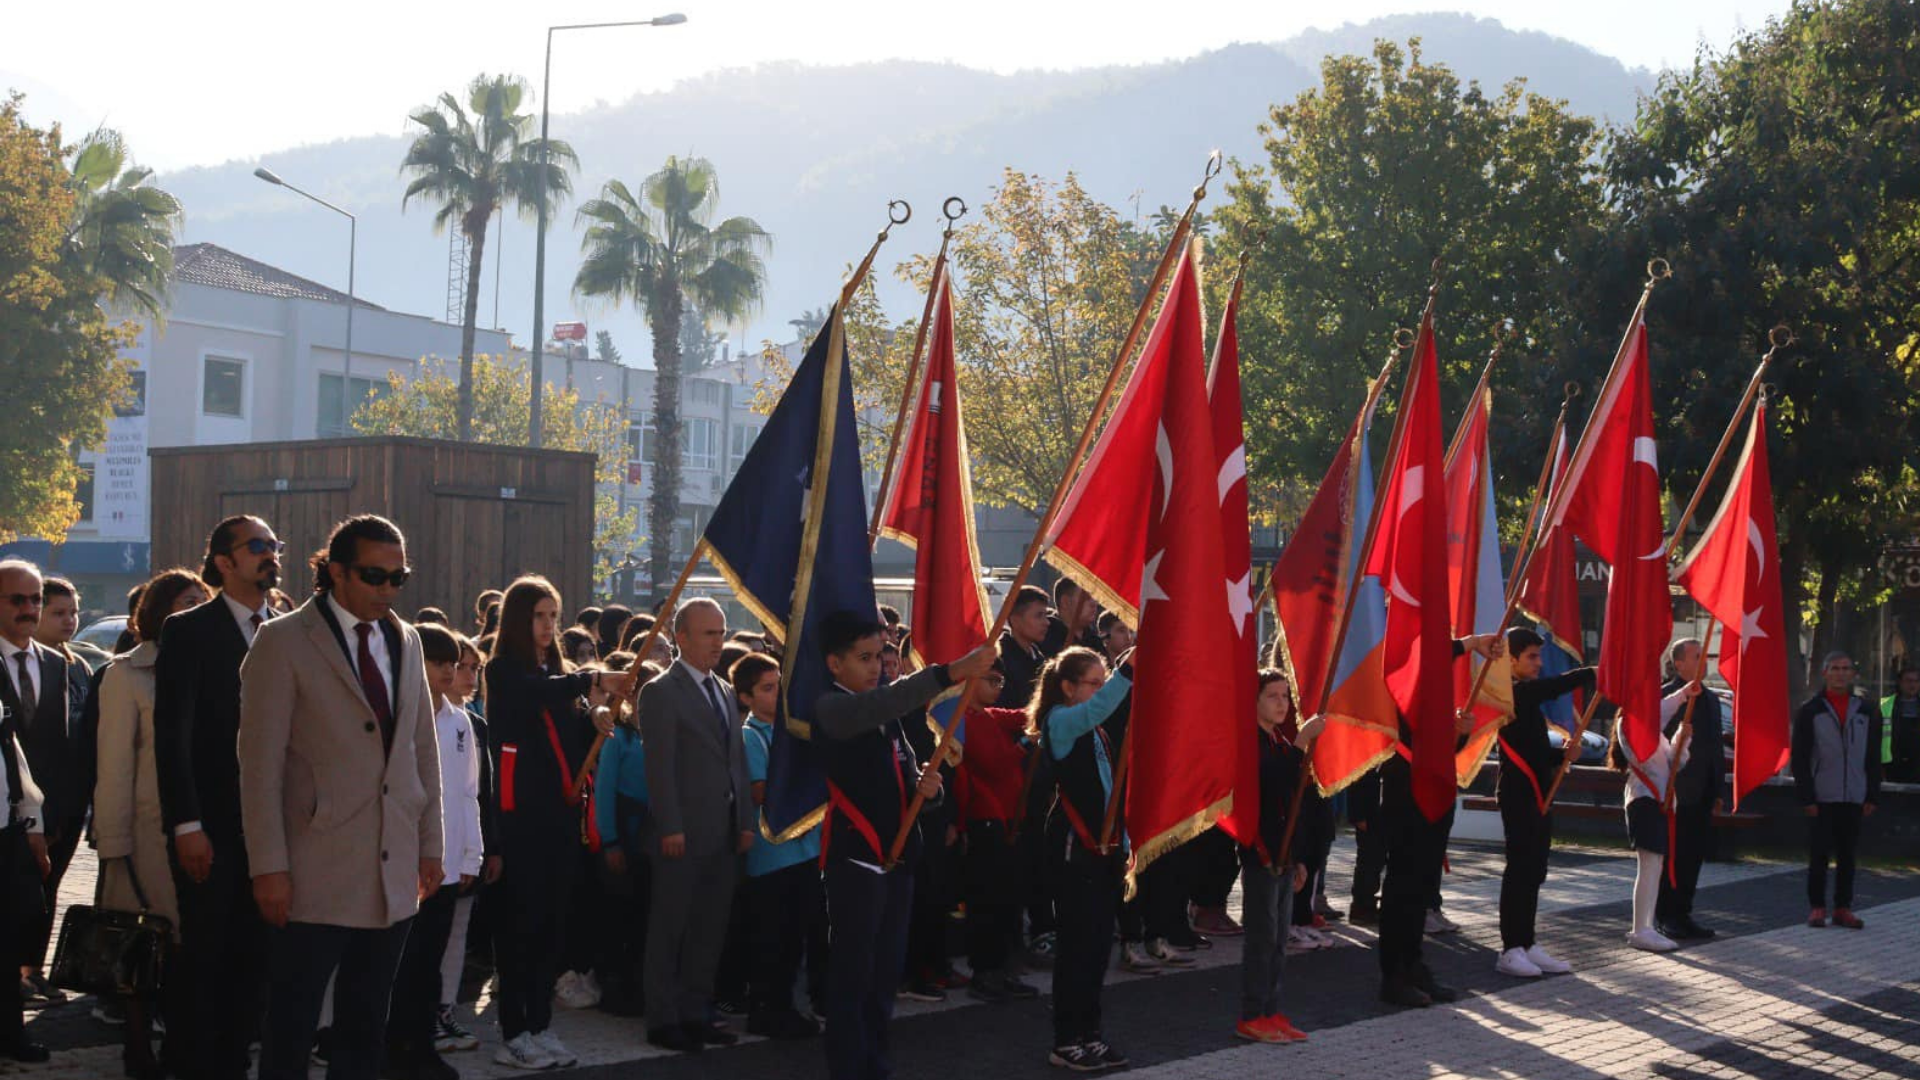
<point x="21" y="599"/>
<point x="377" y="576"/>
<point x="259" y="546"/>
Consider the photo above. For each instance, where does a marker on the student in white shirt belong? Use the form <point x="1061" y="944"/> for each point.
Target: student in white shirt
<point x="1647" y="783"/>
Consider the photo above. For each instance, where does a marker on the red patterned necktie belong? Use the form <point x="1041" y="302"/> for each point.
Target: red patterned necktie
<point x="375" y="686"/>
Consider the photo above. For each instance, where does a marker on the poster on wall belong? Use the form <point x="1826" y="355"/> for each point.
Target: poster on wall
<point x="120" y="469"/>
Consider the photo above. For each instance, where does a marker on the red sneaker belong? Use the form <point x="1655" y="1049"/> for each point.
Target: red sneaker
<point x="1319" y="921"/>
<point x="1284" y="1027"/>
<point x="1818" y="918"/>
<point x="1259" y="1029"/>
<point x="1844" y="917"/>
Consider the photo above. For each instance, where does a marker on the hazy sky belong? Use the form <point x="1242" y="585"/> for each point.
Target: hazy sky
<point x="203" y="81"/>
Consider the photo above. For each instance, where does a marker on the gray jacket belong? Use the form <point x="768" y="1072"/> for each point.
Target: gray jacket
<point x="696" y="766"/>
<point x="1836" y="761"/>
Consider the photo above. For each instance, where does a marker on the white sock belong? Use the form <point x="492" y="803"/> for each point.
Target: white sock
<point x="1646" y="888"/>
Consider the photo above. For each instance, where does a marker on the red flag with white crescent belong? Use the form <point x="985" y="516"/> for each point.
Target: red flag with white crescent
<point x="1734" y="572"/>
<point x="1236" y="537"/>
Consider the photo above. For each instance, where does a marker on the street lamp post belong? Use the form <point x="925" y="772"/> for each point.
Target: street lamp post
<point x="538" y="343"/>
<point x="353" y="242"/>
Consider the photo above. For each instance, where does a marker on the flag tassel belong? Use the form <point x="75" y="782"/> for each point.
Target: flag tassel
<point x="1174" y="242"/>
<point x="914" y="363"/>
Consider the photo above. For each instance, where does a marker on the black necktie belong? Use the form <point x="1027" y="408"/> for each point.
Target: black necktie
<point x="719" y="706"/>
<point x="29" y="701"/>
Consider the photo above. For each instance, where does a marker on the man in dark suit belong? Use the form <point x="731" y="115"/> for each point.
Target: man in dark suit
<point x="29" y="688"/>
<point x="701" y="802"/>
<point x="1699" y="790"/>
<point x="196" y="720"/>
<point x="59" y="749"/>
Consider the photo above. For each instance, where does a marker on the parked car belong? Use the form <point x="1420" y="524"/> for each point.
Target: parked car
<point x="1593" y="745"/>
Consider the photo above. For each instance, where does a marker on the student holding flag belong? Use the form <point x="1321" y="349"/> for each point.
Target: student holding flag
<point x="1268" y="891"/>
<point x="872" y="774"/>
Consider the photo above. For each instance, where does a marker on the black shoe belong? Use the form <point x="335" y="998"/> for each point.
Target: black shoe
<point x="1080" y="1058"/>
<point x="1691" y="931"/>
<point x="1189" y="940"/>
<point x="730" y="1006"/>
<point x="782" y="1025"/>
<point x="1399" y="990"/>
<point x="30" y="1052"/>
<point x="1018" y="990"/>
<point x="674" y="1038"/>
<point x="1364" y="915"/>
<point x="986" y="987"/>
<point x="43" y="989"/>
<point x="1422" y="976"/>
<point x="921" y="990"/>
<point x="710" y="1034"/>
<point x="1109" y="1057"/>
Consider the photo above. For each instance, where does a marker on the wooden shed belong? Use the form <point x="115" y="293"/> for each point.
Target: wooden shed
<point x="475" y="516"/>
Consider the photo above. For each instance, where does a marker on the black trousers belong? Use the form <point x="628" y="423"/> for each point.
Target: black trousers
<point x="1089" y="897"/>
<point x="362" y="964"/>
<point x="531" y="902"/>
<point x="221" y="973"/>
<point x="1415" y="849"/>
<point x="1369" y="861"/>
<point x="416" y="988"/>
<point x="622" y="961"/>
<point x="1529" y="839"/>
<point x="782" y="908"/>
<point x="993" y="883"/>
<point x="1833" y="834"/>
<point x="19" y="914"/>
<point x="1037" y="871"/>
<point x="934" y="891"/>
<point x="1693" y="840"/>
<point x="869" y="913"/>
<point x="61" y="844"/>
<point x="1215" y="868"/>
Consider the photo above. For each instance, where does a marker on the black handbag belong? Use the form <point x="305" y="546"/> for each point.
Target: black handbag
<point x="103" y="952"/>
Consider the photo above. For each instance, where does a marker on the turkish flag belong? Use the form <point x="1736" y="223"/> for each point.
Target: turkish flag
<point x="1734" y="572"/>
<point x="1475" y="590"/>
<point x="930" y="507"/>
<point x="1152" y="487"/>
<point x="1613" y="503"/>
<point x="1550" y="595"/>
<point x="1409" y="554"/>
<point x="1236" y="538"/>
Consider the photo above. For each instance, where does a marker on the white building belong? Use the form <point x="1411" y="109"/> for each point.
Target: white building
<point x="248" y="353"/>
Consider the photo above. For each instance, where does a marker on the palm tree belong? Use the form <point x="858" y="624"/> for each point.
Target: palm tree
<point x="122" y="229"/>
<point x="662" y="250"/>
<point x="473" y="161"/>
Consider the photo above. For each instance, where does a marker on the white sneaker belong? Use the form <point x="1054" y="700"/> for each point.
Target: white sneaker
<point x="592" y="984"/>
<point x="556" y="1051"/>
<point x="1321" y="939"/>
<point x="1298" y="942"/>
<point x="1547" y="962"/>
<point x="572" y="992"/>
<point x="521" y="1052"/>
<point x="1439" y="924"/>
<point x="1647" y="939"/>
<point x="1134" y="957"/>
<point x="1514" y="962"/>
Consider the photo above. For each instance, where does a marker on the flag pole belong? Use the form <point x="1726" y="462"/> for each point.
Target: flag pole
<point x="1777" y="338"/>
<point x="1111" y="821"/>
<point x="1502" y="331"/>
<point x="632" y="697"/>
<point x="1571" y="390"/>
<point x="1160" y="272"/>
<point x="899" y="212"/>
<point x="913" y="368"/>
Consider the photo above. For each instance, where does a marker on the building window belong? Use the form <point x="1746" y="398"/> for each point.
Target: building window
<point x="642" y="441"/>
<point x="83" y="491"/>
<point x="705" y="391"/>
<point x="739" y="441"/>
<point x="703" y="443"/>
<point x="223" y="389"/>
<point x="328" y="424"/>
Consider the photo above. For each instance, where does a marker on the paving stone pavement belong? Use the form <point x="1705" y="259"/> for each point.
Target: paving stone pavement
<point x="1769" y="998"/>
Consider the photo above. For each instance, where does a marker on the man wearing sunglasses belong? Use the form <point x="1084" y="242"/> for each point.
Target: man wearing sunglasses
<point x="340" y="800"/>
<point x="196" y="721"/>
<point x="31" y="693"/>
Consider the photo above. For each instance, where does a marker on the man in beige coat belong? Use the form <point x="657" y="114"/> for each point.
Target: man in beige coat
<point x="340" y="799"/>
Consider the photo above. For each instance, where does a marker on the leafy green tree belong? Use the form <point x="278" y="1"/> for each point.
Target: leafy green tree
<point x="427" y="405"/>
<point x="660" y="248"/>
<point x="1782" y="179"/>
<point x="699" y="343"/>
<point x="123" y="226"/>
<point x="1389" y="164"/>
<point x="59" y="355"/>
<point x="473" y="160"/>
<point x="1046" y="284"/>
<point x="603" y="348"/>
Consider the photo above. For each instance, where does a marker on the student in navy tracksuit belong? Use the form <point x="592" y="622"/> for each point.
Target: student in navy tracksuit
<point x="872" y="774"/>
<point x="1073" y="697"/>
<point x="1836" y="773"/>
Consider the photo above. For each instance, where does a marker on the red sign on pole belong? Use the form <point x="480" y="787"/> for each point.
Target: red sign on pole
<point x="570" y="331"/>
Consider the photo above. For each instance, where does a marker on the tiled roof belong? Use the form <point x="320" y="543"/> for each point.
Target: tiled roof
<point x="215" y="266"/>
